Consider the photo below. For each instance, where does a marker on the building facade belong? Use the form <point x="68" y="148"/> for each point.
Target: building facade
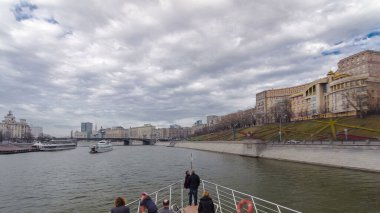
<point x="11" y="129"/>
<point x="143" y="132"/>
<point x="266" y="100"/>
<point x="355" y="87"/>
<point x="116" y="132"/>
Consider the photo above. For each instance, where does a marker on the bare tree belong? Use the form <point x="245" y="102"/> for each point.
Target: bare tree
<point x="281" y="110"/>
<point x="358" y="101"/>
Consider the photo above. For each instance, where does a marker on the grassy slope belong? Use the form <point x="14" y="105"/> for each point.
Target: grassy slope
<point x="304" y="130"/>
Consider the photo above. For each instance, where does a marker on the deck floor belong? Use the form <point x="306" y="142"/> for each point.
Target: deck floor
<point x="191" y="209"/>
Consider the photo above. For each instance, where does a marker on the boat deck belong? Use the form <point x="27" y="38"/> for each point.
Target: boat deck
<point x="190" y="209"/>
<point x="226" y="200"/>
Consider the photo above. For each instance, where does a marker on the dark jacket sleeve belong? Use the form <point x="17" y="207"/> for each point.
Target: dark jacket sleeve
<point x="200" y="207"/>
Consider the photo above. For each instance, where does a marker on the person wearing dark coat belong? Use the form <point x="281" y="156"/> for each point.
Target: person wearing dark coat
<point x="205" y="204"/>
<point x="147" y="203"/>
<point x="186" y="182"/>
<point x="120" y="206"/>
<point x="194" y="182"/>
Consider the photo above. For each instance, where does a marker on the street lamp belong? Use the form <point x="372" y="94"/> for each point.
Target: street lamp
<point x="345" y="133"/>
<point x="280" y="133"/>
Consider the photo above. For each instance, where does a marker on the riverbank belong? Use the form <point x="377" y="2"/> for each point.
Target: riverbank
<point x="359" y="155"/>
<point x="13" y="149"/>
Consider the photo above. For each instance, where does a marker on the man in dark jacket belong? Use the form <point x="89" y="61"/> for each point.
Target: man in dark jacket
<point x="205" y="204"/>
<point x="194" y="182"/>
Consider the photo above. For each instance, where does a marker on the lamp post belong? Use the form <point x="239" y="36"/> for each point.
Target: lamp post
<point x="280" y="132"/>
<point x="345" y="133"/>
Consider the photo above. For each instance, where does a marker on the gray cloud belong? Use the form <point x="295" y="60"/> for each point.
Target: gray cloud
<point x="163" y="62"/>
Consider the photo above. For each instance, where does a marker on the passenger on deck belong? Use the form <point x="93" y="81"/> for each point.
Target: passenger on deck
<point x="205" y="204"/>
<point x="166" y="208"/>
<point x="186" y="182"/>
<point x="194" y="182"/>
<point x="120" y="206"/>
<point x="147" y="203"/>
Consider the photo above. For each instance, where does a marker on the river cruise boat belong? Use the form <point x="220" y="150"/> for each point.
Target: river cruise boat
<point x="55" y="145"/>
<point x="225" y="200"/>
<point x="101" y="146"/>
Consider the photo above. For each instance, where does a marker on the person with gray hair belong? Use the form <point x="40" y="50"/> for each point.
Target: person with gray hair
<point x="166" y="208"/>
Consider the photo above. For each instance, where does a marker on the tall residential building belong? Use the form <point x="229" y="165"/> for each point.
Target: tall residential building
<point x="87" y="127"/>
<point x="11" y="129"/>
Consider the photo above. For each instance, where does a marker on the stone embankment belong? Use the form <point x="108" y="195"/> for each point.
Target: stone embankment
<point x="353" y="155"/>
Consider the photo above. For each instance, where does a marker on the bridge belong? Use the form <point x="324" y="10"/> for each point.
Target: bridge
<point x="126" y="141"/>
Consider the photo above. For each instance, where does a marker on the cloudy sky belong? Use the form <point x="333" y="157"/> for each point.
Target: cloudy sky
<point x="126" y="63"/>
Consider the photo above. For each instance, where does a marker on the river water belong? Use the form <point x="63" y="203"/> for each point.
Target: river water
<point x="76" y="181"/>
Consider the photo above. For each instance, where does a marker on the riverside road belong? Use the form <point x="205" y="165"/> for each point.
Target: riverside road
<point x="76" y="181"/>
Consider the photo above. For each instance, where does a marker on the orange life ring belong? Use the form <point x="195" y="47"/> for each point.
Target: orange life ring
<point x="243" y="202"/>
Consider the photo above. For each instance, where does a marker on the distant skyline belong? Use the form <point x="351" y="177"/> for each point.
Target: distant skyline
<point x="128" y="63"/>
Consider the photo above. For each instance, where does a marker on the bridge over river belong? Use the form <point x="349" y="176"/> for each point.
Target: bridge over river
<point x="122" y="141"/>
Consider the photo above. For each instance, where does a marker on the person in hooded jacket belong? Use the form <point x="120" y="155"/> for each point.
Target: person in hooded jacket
<point x="186" y="184"/>
<point x="205" y="204"/>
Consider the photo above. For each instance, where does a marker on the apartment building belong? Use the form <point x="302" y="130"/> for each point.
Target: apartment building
<point x="116" y="132"/>
<point x="11" y="129"/>
<point x="265" y="100"/>
<point x="143" y="132"/>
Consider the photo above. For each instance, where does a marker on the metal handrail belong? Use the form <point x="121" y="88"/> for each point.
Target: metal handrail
<point x="226" y="199"/>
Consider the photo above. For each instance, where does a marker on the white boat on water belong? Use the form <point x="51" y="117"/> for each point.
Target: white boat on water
<point x="101" y="146"/>
<point x="55" y="145"/>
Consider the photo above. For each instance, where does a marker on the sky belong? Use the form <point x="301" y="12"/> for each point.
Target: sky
<point x="128" y="63"/>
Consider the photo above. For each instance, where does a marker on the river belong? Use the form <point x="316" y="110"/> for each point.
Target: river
<point x="76" y="181"/>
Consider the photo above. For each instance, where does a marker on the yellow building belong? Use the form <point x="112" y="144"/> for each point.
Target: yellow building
<point x="353" y="89"/>
<point x="267" y="99"/>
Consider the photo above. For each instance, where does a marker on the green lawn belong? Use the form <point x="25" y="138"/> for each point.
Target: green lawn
<point x="358" y="129"/>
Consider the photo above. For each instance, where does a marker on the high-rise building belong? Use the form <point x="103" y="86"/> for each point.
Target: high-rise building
<point x="86" y="127"/>
<point x="11" y="129"/>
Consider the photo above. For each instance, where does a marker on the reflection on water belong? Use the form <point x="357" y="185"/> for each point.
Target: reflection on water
<point x="76" y="181"/>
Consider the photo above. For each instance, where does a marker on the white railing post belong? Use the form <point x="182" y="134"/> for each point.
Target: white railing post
<point x="254" y="205"/>
<point x="170" y="194"/>
<point x="182" y="196"/>
<point x="203" y="185"/>
<point x="233" y="195"/>
<point x="156" y="197"/>
<point x="217" y="193"/>
<point x="138" y="207"/>
<point x="278" y="208"/>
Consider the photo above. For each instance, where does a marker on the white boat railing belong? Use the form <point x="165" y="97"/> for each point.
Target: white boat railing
<point x="225" y="199"/>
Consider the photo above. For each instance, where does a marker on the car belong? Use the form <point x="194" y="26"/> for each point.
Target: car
<point x="293" y="142"/>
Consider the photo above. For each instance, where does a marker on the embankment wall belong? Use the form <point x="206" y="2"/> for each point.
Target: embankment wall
<point x="360" y="157"/>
